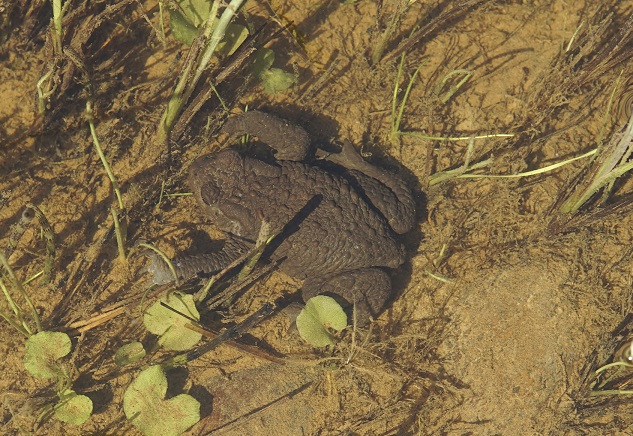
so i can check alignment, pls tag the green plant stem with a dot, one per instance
(15, 325)
(394, 98)
(120, 232)
(24, 328)
(50, 240)
(11, 301)
(20, 288)
(611, 392)
(527, 173)
(463, 171)
(35, 276)
(614, 164)
(104, 161)
(160, 197)
(41, 93)
(161, 19)
(456, 138)
(613, 365)
(448, 94)
(219, 30)
(397, 119)
(439, 278)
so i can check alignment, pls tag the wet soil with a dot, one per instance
(506, 307)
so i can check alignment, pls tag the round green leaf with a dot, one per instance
(129, 353)
(320, 315)
(74, 410)
(145, 405)
(43, 349)
(169, 325)
(276, 80)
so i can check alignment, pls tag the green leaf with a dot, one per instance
(196, 11)
(233, 37)
(73, 409)
(184, 31)
(262, 62)
(187, 17)
(42, 352)
(129, 353)
(145, 405)
(169, 325)
(276, 80)
(320, 315)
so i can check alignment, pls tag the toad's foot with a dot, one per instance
(366, 290)
(190, 266)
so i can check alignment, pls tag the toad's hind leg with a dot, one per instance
(367, 289)
(386, 191)
(290, 142)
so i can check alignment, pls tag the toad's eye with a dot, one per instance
(209, 193)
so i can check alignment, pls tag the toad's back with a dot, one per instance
(330, 226)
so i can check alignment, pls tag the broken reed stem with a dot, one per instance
(250, 257)
(85, 325)
(213, 31)
(394, 23)
(236, 287)
(57, 24)
(254, 351)
(231, 333)
(242, 280)
(263, 238)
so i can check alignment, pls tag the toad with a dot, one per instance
(341, 216)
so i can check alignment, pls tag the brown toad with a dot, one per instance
(341, 216)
